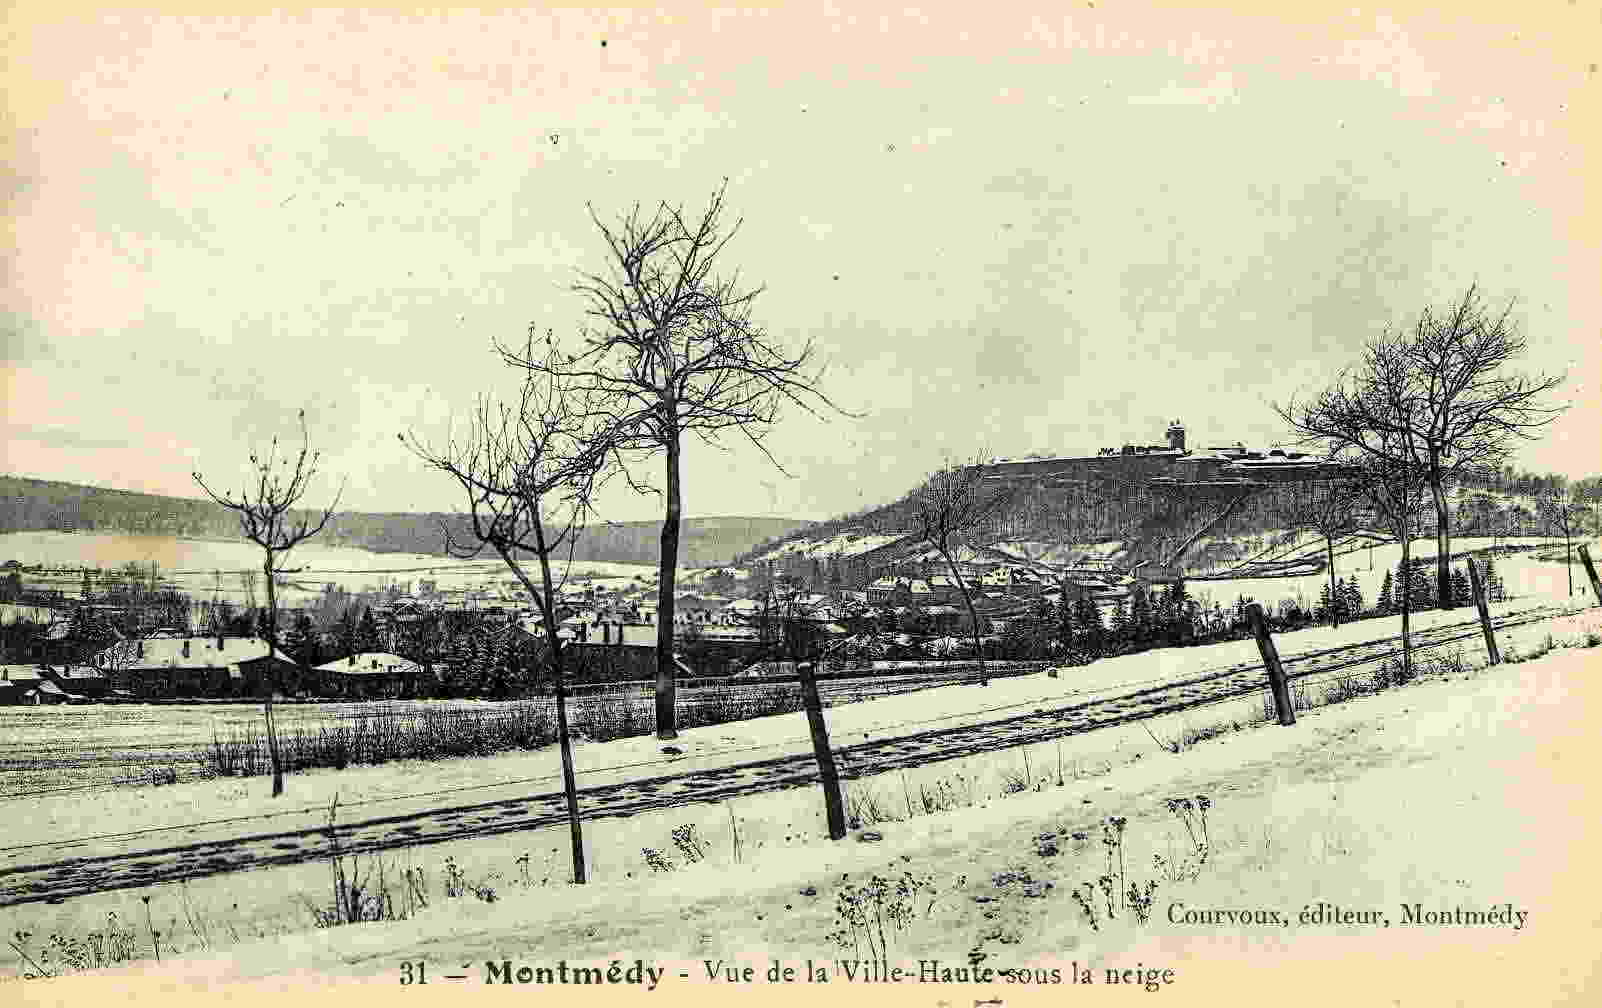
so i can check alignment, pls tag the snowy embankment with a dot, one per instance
(1468, 792)
(241, 804)
(1523, 574)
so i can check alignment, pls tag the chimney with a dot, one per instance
(1176, 436)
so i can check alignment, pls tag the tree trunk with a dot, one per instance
(270, 632)
(667, 571)
(1407, 603)
(1334, 593)
(1568, 558)
(967, 597)
(559, 685)
(1443, 548)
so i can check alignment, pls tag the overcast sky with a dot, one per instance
(1021, 232)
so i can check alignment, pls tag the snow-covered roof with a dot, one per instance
(369, 663)
(169, 652)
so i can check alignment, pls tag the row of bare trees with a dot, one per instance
(670, 349)
(1426, 407)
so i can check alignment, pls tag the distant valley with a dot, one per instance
(33, 505)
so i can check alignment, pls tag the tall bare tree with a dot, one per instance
(1470, 411)
(268, 516)
(1369, 416)
(529, 469)
(672, 349)
(955, 508)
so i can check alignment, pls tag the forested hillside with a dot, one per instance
(28, 505)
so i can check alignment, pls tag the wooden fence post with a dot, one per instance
(1590, 571)
(833, 803)
(1276, 671)
(1477, 586)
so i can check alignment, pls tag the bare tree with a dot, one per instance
(530, 469)
(1328, 508)
(672, 350)
(1558, 512)
(1470, 413)
(1369, 416)
(954, 508)
(266, 507)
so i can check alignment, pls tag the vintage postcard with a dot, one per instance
(948, 506)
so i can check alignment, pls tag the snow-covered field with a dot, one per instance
(1441, 792)
(1523, 574)
(192, 564)
(72, 814)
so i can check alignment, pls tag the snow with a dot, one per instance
(192, 563)
(842, 544)
(1467, 812)
(1523, 574)
(1465, 791)
(394, 787)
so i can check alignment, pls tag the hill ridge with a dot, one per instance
(29, 504)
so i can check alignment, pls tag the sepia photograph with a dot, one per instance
(967, 505)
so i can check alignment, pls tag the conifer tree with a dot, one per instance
(1386, 603)
(345, 632)
(1065, 620)
(1418, 589)
(367, 638)
(1120, 620)
(1326, 604)
(300, 643)
(1460, 588)
(1139, 615)
(1089, 630)
(1354, 597)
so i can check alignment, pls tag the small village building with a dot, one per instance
(694, 608)
(19, 685)
(157, 667)
(888, 591)
(369, 674)
(83, 681)
(945, 619)
(944, 588)
(743, 610)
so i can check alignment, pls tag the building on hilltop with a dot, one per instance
(1172, 462)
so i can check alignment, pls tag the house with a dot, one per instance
(888, 590)
(19, 685)
(84, 681)
(945, 619)
(369, 674)
(694, 608)
(197, 666)
(743, 610)
(944, 588)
